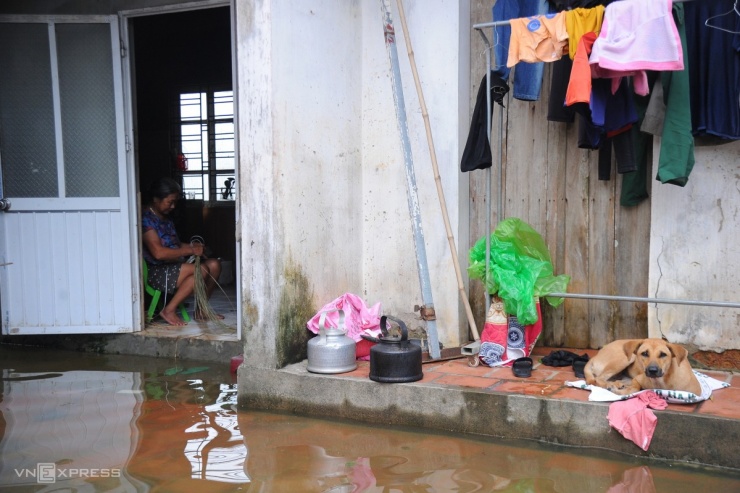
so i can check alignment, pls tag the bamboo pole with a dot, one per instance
(437, 179)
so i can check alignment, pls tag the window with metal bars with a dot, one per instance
(204, 136)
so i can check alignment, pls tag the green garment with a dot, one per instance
(677, 143)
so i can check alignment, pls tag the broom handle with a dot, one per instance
(437, 179)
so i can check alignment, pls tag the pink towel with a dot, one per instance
(636, 36)
(633, 419)
(358, 317)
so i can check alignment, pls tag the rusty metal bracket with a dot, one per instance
(426, 312)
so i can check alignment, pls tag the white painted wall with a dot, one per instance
(317, 138)
(695, 251)
(389, 259)
(322, 175)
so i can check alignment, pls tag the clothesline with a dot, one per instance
(507, 22)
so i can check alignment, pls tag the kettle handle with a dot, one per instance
(384, 330)
(322, 319)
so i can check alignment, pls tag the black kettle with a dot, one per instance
(394, 359)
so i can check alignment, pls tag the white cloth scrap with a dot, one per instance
(708, 384)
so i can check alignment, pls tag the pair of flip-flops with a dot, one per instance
(566, 358)
(522, 367)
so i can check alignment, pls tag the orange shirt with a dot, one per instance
(537, 39)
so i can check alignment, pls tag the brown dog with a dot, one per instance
(647, 363)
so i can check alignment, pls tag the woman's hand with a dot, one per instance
(197, 248)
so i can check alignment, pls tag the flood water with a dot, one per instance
(86, 423)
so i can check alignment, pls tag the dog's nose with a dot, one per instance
(653, 371)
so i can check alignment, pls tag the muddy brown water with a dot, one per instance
(87, 423)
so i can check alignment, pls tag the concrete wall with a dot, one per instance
(323, 193)
(695, 252)
(389, 264)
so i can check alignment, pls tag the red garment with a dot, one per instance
(579, 85)
(633, 419)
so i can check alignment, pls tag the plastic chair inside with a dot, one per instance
(156, 295)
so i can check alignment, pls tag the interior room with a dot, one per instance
(184, 124)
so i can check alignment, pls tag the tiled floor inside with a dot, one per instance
(548, 382)
(222, 302)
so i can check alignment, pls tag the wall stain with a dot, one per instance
(250, 313)
(296, 308)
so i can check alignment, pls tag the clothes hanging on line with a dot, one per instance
(527, 83)
(557, 111)
(477, 152)
(580, 22)
(714, 73)
(537, 39)
(636, 36)
(699, 67)
(631, 147)
(676, 160)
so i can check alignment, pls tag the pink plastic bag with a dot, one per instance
(358, 319)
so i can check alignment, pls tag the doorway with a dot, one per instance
(183, 112)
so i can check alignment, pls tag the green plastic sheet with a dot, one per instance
(520, 269)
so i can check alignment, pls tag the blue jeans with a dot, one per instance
(528, 76)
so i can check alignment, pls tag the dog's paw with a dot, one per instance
(619, 388)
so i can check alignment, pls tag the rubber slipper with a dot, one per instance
(578, 366)
(522, 367)
(561, 357)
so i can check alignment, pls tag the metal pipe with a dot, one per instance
(488, 172)
(411, 189)
(723, 304)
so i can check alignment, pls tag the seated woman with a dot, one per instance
(166, 256)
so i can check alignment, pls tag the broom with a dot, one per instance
(200, 294)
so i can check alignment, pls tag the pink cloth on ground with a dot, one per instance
(633, 419)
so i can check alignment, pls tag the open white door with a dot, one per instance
(66, 238)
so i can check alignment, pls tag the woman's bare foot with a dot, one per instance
(171, 318)
(199, 316)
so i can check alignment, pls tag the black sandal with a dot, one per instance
(522, 367)
(578, 366)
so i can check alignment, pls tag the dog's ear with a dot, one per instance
(631, 346)
(679, 352)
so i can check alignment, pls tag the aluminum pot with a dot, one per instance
(394, 359)
(331, 351)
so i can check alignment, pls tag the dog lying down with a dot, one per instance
(627, 366)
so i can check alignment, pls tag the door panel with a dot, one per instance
(65, 243)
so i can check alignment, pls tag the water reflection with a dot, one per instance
(138, 424)
(216, 450)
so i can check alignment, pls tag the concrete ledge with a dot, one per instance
(678, 436)
(136, 344)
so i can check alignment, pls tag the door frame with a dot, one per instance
(134, 198)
